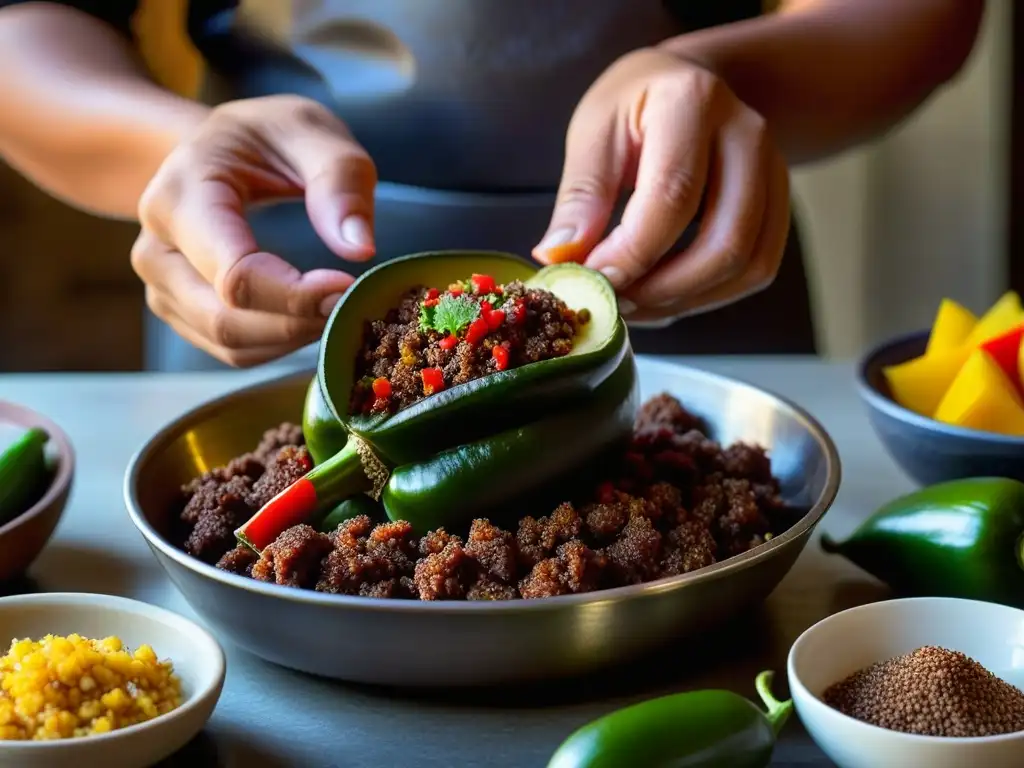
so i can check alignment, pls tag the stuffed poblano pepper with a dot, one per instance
(699, 729)
(444, 401)
(962, 538)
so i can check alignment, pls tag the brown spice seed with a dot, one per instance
(931, 691)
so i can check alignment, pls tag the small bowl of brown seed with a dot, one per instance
(926, 681)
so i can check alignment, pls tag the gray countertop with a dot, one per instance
(274, 717)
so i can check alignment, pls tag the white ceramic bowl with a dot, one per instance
(197, 657)
(850, 640)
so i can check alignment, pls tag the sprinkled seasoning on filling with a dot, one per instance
(438, 339)
(933, 692)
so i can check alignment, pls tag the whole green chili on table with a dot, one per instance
(962, 538)
(697, 729)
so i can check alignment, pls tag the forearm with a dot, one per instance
(828, 74)
(78, 114)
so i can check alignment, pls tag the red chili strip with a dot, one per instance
(292, 506)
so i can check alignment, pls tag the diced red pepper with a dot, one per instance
(518, 312)
(606, 492)
(455, 289)
(433, 380)
(448, 342)
(476, 331)
(485, 307)
(500, 355)
(483, 283)
(495, 318)
(432, 293)
(382, 388)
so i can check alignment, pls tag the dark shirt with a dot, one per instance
(695, 14)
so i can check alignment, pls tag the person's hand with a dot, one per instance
(674, 134)
(204, 273)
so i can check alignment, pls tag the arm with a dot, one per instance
(828, 74)
(80, 117)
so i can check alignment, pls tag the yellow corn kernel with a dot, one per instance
(62, 687)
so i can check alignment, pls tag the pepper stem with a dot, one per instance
(326, 485)
(829, 544)
(343, 475)
(778, 711)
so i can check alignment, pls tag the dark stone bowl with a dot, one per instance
(929, 451)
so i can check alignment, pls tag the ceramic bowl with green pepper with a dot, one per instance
(37, 466)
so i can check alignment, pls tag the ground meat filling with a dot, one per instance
(678, 502)
(436, 339)
(218, 502)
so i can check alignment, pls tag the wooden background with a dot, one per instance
(68, 297)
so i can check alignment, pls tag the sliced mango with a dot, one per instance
(1005, 352)
(1001, 317)
(953, 324)
(1020, 364)
(982, 397)
(921, 383)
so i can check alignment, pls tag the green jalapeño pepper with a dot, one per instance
(699, 729)
(452, 487)
(459, 452)
(24, 473)
(963, 538)
(478, 407)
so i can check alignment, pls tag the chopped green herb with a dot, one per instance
(427, 317)
(450, 315)
(493, 298)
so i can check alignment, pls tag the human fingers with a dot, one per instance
(338, 176)
(595, 158)
(675, 129)
(237, 358)
(174, 287)
(762, 268)
(735, 206)
(201, 216)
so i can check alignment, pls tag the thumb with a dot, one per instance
(591, 178)
(339, 178)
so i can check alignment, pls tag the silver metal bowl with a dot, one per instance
(400, 642)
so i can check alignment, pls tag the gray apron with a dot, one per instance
(463, 105)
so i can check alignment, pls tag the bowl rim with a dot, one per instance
(891, 408)
(199, 636)
(65, 466)
(718, 570)
(800, 691)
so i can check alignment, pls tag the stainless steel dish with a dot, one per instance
(460, 643)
